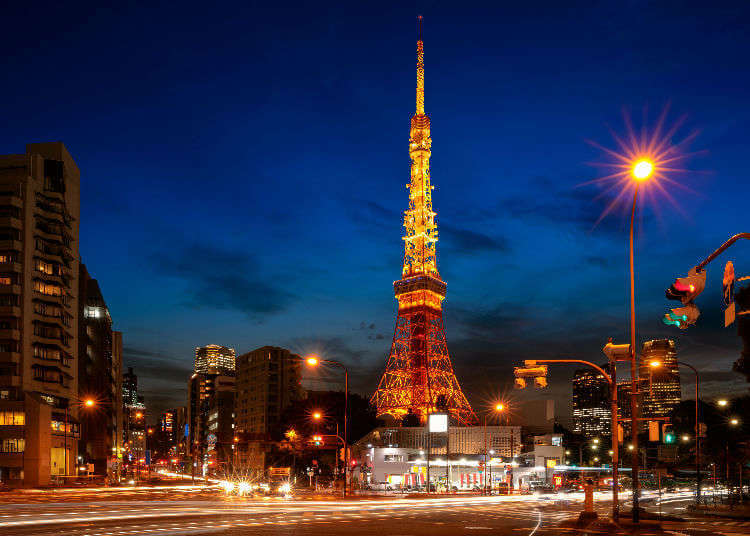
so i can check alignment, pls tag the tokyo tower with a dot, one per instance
(419, 376)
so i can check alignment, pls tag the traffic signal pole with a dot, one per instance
(612, 380)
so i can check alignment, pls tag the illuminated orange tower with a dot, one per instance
(419, 376)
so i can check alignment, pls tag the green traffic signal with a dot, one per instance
(669, 438)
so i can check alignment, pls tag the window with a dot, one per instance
(393, 458)
(47, 289)
(48, 268)
(8, 300)
(54, 180)
(12, 418)
(7, 257)
(12, 445)
(46, 374)
(44, 352)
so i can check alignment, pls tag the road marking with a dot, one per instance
(539, 522)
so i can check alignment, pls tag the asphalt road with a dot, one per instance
(186, 511)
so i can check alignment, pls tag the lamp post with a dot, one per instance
(499, 408)
(641, 171)
(314, 361)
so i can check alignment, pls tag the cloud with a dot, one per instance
(373, 217)
(221, 279)
(466, 241)
(578, 206)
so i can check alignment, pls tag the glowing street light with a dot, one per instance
(723, 402)
(734, 421)
(643, 169)
(655, 364)
(89, 402)
(312, 361)
(686, 437)
(317, 415)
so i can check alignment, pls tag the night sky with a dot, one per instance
(244, 170)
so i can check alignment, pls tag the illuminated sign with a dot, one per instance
(438, 423)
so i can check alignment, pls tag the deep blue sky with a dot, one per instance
(244, 170)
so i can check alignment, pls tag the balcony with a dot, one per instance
(12, 200)
(10, 381)
(11, 221)
(13, 334)
(10, 357)
(10, 310)
(16, 267)
(12, 245)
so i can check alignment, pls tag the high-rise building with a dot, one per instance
(202, 389)
(99, 378)
(591, 408)
(419, 374)
(219, 419)
(214, 359)
(659, 386)
(268, 381)
(134, 418)
(39, 219)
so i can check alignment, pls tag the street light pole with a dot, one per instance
(633, 372)
(697, 433)
(314, 361)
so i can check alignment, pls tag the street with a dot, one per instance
(192, 510)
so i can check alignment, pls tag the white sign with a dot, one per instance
(438, 423)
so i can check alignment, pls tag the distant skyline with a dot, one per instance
(243, 172)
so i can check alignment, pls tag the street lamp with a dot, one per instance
(722, 402)
(317, 415)
(734, 421)
(642, 169)
(499, 408)
(313, 361)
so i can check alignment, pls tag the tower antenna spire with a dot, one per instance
(420, 70)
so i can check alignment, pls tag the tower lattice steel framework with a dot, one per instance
(419, 377)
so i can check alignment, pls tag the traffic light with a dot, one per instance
(685, 289)
(682, 317)
(317, 440)
(669, 436)
(531, 370)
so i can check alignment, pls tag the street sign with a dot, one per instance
(728, 287)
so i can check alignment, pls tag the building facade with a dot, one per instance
(591, 409)
(214, 359)
(660, 387)
(268, 381)
(99, 379)
(39, 219)
(134, 418)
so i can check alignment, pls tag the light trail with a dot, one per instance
(318, 509)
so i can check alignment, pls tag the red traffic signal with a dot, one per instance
(687, 288)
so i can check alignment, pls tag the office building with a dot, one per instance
(592, 415)
(134, 418)
(99, 379)
(202, 399)
(39, 218)
(659, 386)
(214, 359)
